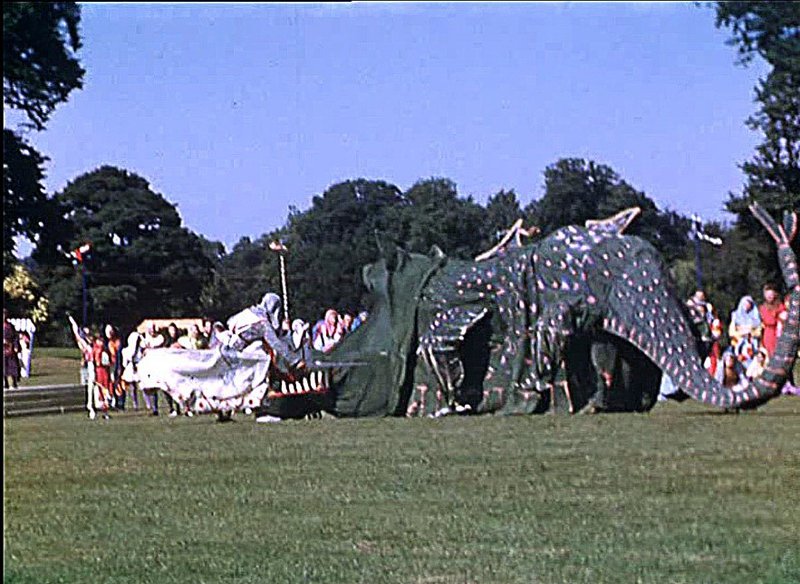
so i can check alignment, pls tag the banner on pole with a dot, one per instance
(81, 253)
(278, 246)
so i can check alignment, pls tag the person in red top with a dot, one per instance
(770, 312)
(114, 347)
(102, 376)
(85, 341)
(11, 350)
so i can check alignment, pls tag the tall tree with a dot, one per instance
(436, 215)
(502, 211)
(40, 69)
(144, 262)
(577, 190)
(26, 208)
(40, 63)
(330, 242)
(770, 30)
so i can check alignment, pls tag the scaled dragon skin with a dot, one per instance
(519, 331)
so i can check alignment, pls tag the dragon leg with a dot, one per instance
(441, 349)
(548, 375)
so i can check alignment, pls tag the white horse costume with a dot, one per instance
(230, 377)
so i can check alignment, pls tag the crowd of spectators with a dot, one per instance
(16, 353)
(108, 369)
(733, 354)
(752, 336)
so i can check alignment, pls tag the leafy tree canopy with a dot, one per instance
(769, 29)
(40, 69)
(26, 208)
(502, 211)
(23, 296)
(144, 262)
(577, 190)
(40, 65)
(772, 176)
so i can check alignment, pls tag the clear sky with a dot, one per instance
(236, 112)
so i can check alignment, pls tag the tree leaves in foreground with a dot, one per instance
(40, 65)
(40, 69)
(26, 207)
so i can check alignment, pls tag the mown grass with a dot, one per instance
(53, 366)
(680, 495)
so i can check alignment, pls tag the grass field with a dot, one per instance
(54, 366)
(682, 494)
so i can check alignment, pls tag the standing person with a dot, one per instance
(208, 330)
(85, 342)
(702, 316)
(172, 338)
(102, 375)
(11, 351)
(172, 342)
(770, 312)
(299, 334)
(347, 324)
(151, 340)
(24, 353)
(114, 348)
(130, 356)
(196, 339)
(715, 354)
(327, 332)
(745, 319)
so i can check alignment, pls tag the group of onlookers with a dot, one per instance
(752, 337)
(326, 332)
(331, 329)
(16, 353)
(101, 368)
(108, 368)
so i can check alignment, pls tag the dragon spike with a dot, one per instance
(790, 225)
(616, 223)
(782, 234)
(516, 232)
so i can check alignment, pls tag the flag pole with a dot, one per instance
(79, 257)
(697, 233)
(85, 303)
(280, 248)
(283, 286)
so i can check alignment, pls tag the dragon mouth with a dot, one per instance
(296, 394)
(300, 384)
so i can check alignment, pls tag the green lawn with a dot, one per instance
(54, 366)
(680, 495)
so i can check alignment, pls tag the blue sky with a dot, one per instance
(236, 112)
